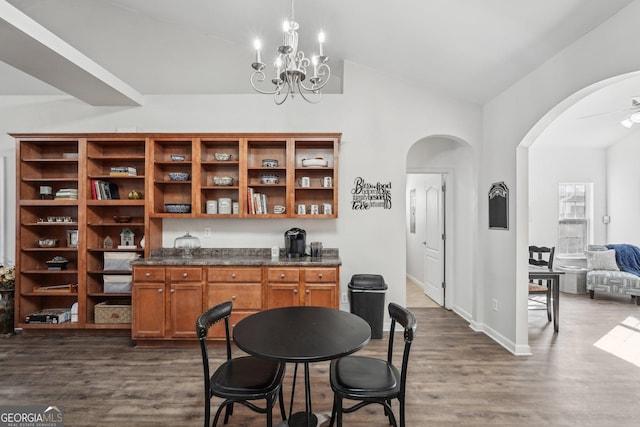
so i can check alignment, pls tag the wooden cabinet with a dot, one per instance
(148, 296)
(49, 179)
(240, 285)
(302, 286)
(73, 189)
(185, 301)
(166, 302)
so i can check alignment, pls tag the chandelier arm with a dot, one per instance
(260, 77)
(323, 70)
(284, 98)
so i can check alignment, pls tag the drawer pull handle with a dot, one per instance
(173, 290)
(233, 275)
(295, 291)
(148, 274)
(159, 290)
(320, 276)
(233, 297)
(282, 276)
(307, 291)
(185, 274)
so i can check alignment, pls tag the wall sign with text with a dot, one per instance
(367, 195)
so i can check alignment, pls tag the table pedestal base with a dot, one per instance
(299, 419)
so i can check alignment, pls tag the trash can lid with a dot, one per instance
(367, 282)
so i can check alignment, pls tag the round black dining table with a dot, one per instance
(302, 335)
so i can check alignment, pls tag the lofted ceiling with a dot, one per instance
(116, 51)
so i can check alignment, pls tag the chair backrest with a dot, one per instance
(407, 320)
(541, 256)
(205, 321)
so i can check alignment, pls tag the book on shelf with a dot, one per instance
(67, 194)
(103, 190)
(257, 202)
(123, 171)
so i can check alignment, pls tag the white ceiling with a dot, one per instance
(471, 49)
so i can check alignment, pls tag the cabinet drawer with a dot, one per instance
(320, 275)
(185, 274)
(243, 296)
(148, 274)
(234, 274)
(285, 275)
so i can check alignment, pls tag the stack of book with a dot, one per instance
(49, 315)
(256, 202)
(67, 194)
(103, 190)
(123, 171)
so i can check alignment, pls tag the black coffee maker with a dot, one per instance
(295, 242)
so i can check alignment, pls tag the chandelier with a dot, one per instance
(292, 67)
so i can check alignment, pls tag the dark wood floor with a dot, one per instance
(457, 377)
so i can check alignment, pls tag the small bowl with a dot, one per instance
(57, 263)
(178, 176)
(178, 157)
(223, 180)
(177, 208)
(223, 157)
(269, 163)
(121, 219)
(48, 243)
(269, 179)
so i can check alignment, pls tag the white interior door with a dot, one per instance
(434, 241)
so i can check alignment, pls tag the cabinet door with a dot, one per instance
(320, 295)
(185, 300)
(148, 310)
(282, 295)
(321, 286)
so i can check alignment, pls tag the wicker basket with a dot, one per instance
(112, 312)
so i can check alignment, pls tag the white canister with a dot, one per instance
(275, 251)
(314, 210)
(302, 209)
(327, 209)
(235, 208)
(304, 181)
(327, 181)
(224, 205)
(212, 206)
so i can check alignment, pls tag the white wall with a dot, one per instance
(549, 166)
(623, 192)
(515, 118)
(378, 128)
(415, 248)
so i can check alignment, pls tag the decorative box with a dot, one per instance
(117, 284)
(112, 312)
(120, 261)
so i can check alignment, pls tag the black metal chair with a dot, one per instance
(240, 380)
(541, 257)
(371, 380)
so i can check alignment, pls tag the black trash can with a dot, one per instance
(366, 299)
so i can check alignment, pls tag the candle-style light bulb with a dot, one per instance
(257, 45)
(321, 38)
(314, 61)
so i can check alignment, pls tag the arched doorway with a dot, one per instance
(452, 161)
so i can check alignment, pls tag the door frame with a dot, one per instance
(449, 220)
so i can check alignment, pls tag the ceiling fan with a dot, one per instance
(634, 116)
(631, 118)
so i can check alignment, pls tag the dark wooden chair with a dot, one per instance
(240, 380)
(540, 290)
(369, 380)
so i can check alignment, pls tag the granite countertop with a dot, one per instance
(237, 256)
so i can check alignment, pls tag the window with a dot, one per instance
(575, 213)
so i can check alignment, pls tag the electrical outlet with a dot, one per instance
(207, 232)
(494, 304)
(345, 299)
